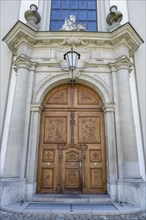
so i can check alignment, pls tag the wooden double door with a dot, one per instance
(72, 148)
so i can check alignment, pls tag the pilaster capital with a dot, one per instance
(108, 107)
(36, 107)
(24, 62)
(121, 63)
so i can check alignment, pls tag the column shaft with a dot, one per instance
(17, 125)
(127, 129)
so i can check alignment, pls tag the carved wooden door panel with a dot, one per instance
(91, 133)
(72, 148)
(53, 132)
(72, 171)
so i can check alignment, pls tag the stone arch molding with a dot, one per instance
(50, 82)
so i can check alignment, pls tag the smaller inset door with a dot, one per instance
(72, 171)
(72, 177)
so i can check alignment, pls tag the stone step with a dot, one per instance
(71, 198)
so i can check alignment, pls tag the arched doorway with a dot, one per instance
(72, 146)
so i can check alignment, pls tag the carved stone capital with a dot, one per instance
(121, 63)
(23, 62)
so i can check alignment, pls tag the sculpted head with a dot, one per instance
(72, 18)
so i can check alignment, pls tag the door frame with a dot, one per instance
(93, 106)
(109, 119)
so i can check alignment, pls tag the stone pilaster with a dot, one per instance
(17, 123)
(27, 120)
(110, 141)
(117, 124)
(33, 147)
(126, 121)
(111, 151)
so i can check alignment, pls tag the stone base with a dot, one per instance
(12, 190)
(125, 191)
(30, 191)
(113, 27)
(132, 191)
(112, 192)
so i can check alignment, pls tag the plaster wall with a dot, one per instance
(7, 8)
(137, 17)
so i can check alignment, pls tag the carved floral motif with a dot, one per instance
(47, 178)
(72, 177)
(59, 97)
(96, 177)
(88, 130)
(86, 97)
(48, 155)
(55, 130)
(95, 155)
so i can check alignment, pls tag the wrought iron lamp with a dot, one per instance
(72, 58)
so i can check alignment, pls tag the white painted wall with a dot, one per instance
(137, 124)
(11, 8)
(7, 120)
(134, 11)
(137, 17)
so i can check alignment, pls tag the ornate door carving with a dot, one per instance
(72, 151)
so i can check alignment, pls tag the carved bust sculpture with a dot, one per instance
(70, 24)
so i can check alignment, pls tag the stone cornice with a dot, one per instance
(125, 34)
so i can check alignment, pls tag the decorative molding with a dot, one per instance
(124, 34)
(109, 107)
(73, 41)
(23, 62)
(122, 62)
(36, 107)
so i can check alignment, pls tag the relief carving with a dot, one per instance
(47, 178)
(72, 177)
(59, 97)
(86, 98)
(96, 155)
(55, 130)
(72, 156)
(72, 164)
(74, 41)
(96, 178)
(88, 130)
(48, 155)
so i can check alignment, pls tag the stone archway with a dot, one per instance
(72, 146)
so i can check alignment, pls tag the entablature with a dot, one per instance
(125, 36)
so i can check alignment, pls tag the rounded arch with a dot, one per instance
(50, 82)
